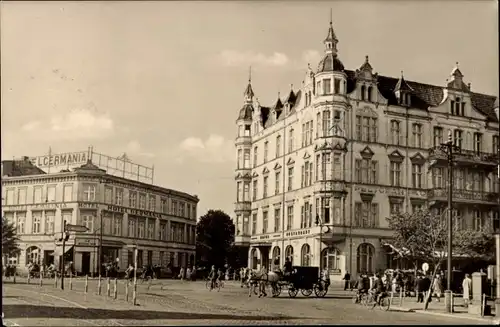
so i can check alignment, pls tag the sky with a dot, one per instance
(163, 82)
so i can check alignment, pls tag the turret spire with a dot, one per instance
(331, 39)
(248, 91)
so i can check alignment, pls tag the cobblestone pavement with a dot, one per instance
(173, 302)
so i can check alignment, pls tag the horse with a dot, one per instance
(261, 279)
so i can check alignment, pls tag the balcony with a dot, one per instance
(465, 157)
(242, 206)
(329, 186)
(242, 240)
(463, 196)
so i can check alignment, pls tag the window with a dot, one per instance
(326, 122)
(239, 159)
(164, 205)
(318, 163)
(181, 209)
(132, 226)
(264, 195)
(21, 195)
(330, 259)
(395, 207)
(163, 231)
(255, 156)
(366, 171)
(246, 158)
(365, 258)
(439, 177)
(37, 218)
(89, 192)
(277, 220)
(193, 208)
(417, 135)
(108, 194)
(133, 199)
(68, 193)
(416, 175)
(337, 211)
(141, 228)
(277, 183)
(266, 149)
(369, 94)
(362, 93)
(142, 201)
(289, 217)
(265, 222)
(151, 229)
(117, 224)
(107, 222)
(278, 146)
(325, 205)
(318, 124)
(290, 141)
(152, 202)
(337, 166)
(21, 222)
(254, 223)
(66, 215)
(49, 222)
(174, 208)
(246, 191)
(478, 142)
(37, 195)
(254, 190)
(290, 178)
(327, 86)
(495, 144)
(366, 128)
(438, 136)
(395, 132)
(366, 214)
(305, 254)
(457, 107)
(459, 220)
(457, 138)
(88, 221)
(33, 255)
(336, 86)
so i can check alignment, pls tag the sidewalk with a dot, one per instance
(438, 308)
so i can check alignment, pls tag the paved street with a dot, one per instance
(178, 303)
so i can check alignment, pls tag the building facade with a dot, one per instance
(159, 221)
(319, 172)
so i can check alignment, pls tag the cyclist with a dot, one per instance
(220, 276)
(362, 286)
(378, 288)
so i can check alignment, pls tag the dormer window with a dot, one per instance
(336, 85)
(247, 130)
(457, 107)
(336, 116)
(404, 99)
(369, 97)
(362, 92)
(457, 138)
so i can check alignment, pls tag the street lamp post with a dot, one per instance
(100, 244)
(449, 148)
(497, 230)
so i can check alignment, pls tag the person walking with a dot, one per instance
(467, 289)
(438, 287)
(347, 279)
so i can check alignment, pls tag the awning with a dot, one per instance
(261, 245)
(58, 250)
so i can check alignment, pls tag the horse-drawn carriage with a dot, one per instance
(304, 279)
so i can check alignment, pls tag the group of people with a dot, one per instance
(215, 276)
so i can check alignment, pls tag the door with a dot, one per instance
(85, 263)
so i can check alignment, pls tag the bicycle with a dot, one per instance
(359, 297)
(218, 285)
(384, 302)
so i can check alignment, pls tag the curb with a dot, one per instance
(401, 309)
(461, 316)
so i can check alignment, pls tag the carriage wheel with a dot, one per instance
(276, 290)
(320, 290)
(306, 292)
(385, 304)
(292, 292)
(207, 284)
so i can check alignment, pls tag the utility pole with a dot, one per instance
(63, 250)
(100, 245)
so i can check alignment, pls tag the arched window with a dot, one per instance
(289, 253)
(362, 92)
(276, 255)
(330, 259)
(369, 93)
(365, 258)
(33, 255)
(305, 254)
(253, 259)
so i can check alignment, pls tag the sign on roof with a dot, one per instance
(64, 159)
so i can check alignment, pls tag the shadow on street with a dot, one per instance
(39, 311)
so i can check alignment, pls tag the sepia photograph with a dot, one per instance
(293, 162)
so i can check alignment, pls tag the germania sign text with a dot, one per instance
(64, 159)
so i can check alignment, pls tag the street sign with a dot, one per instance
(76, 228)
(425, 266)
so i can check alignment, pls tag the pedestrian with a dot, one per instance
(438, 287)
(188, 273)
(181, 273)
(467, 289)
(419, 286)
(347, 279)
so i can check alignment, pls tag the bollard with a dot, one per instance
(134, 294)
(41, 280)
(99, 286)
(115, 288)
(28, 278)
(150, 283)
(391, 299)
(126, 290)
(452, 302)
(70, 280)
(483, 304)
(55, 280)
(108, 289)
(14, 278)
(86, 283)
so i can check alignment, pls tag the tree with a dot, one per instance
(423, 236)
(10, 246)
(214, 238)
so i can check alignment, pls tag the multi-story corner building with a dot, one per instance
(352, 147)
(160, 222)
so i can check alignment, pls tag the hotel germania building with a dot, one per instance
(160, 222)
(352, 147)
